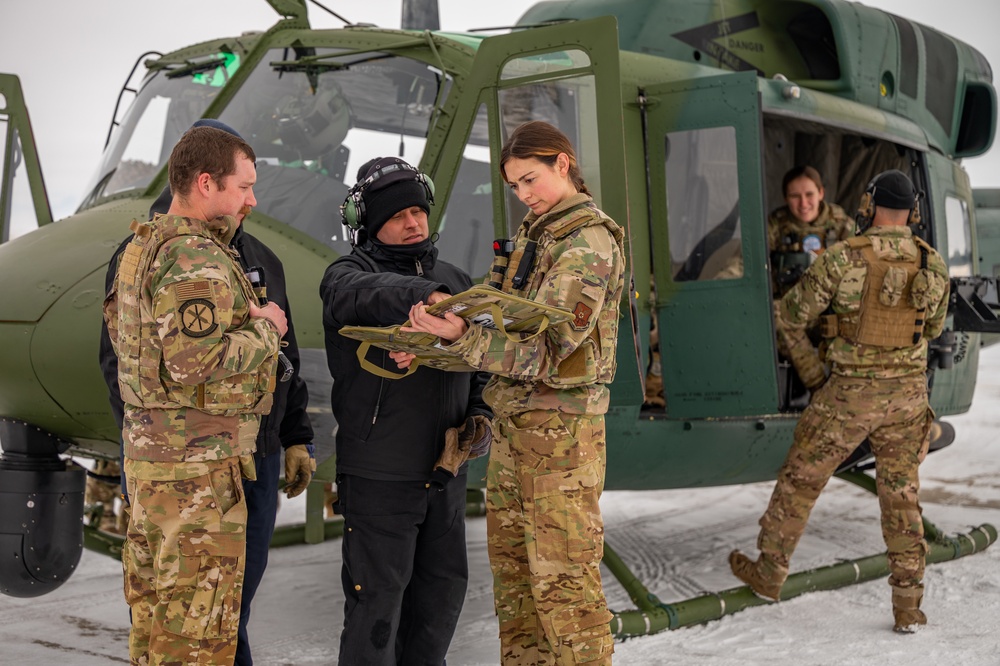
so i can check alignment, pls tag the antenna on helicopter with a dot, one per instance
(330, 11)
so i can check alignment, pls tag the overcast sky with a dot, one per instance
(73, 56)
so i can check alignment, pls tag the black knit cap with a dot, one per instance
(894, 190)
(390, 193)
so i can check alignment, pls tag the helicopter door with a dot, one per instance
(713, 294)
(23, 202)
(567, 75)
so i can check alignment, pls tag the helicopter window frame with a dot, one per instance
(583, 133)
(540, 64)
(19, 213)
(470, 203)
(715, 251)
(959, 235)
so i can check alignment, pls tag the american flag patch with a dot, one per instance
(195, 289)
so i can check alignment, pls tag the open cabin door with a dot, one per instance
(24, 205)
(567, 75)
(714, 313)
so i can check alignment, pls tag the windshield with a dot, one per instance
(166, 105)
(313, 124)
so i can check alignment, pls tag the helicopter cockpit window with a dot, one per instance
(466, 229)
(570, 105)
(169, 100)
(313, 123)
(959, 232)
(703, 205)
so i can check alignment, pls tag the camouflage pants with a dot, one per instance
(546, 538)
(183, 560)
(101, 492)
(895, 416)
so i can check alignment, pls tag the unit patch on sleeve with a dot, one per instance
(197, 317)
(582, 318)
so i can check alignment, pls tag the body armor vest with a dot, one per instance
(142, 379)
(594, 360)
(887, 316)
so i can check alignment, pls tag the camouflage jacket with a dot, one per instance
(795, 244)
(579, 265)
(830, 226)
(195, 370)
(838, 279)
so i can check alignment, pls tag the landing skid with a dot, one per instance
(652, 616)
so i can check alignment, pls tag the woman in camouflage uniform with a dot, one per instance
(549, 395)
(803, 228)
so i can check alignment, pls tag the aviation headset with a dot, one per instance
(866, 208)
(352, 211)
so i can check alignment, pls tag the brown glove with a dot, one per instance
(472, 441)
(299, 467)
(482, 438)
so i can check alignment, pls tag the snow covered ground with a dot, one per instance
(675, 541)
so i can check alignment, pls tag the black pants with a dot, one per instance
(262, 506)
(405, 569)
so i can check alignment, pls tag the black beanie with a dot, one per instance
(893, 190)
(390, 193)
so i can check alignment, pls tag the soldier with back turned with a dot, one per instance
(889, 294)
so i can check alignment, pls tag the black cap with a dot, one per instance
(892, 189)
(394, 190)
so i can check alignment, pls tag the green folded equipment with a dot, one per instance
(519, 319)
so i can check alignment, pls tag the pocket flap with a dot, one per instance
(571, 620)
(213, 544)
(557, 483)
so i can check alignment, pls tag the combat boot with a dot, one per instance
(765, 576)
(906, 609)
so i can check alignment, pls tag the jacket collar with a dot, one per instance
(900, 231)
(402, 258)
(535, 224)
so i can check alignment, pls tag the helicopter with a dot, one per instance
(684, 114)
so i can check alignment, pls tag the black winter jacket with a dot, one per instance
(391, 429)
(287, 424)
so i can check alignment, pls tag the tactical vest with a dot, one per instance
(887, 316)
(142, 379)
(594, 360)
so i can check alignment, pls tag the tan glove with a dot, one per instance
(299, 467)
(482, 438)
(472, 441)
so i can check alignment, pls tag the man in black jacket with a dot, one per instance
(405, 569)
(287, 425)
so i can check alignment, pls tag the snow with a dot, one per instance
(676, 542)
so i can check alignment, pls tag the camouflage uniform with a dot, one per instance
(195, 372)
(101, 492)
(788, 235)
(549, 395)
(877, 388)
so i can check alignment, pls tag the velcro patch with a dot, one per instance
(197, 317)
(582, 313)
(193, 289)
